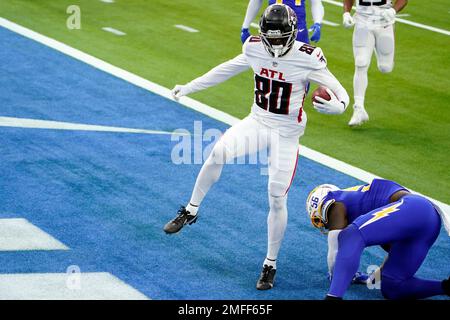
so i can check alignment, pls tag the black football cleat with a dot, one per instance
(265, 281)
(183, 217)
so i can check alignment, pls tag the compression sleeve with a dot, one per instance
(252, 11)
(332, 249)
(317, 11)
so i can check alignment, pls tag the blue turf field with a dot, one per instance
(108, 195)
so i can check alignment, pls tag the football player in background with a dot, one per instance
(374, 29)
(380, 213)
(282, 68)
(298, 6)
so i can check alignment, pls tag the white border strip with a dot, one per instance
(57, 125)
(329, 23)
(411, 23)
(185, 28)
(186, 101)
(114, 31)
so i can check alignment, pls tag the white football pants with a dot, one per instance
(365, 41)
(245, 138)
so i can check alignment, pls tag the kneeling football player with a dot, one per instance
(381, 213)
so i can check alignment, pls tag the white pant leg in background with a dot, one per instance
(385, 48)
(363, 47)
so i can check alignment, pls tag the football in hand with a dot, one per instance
(321, 92)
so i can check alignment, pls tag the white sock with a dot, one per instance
(192, 209)
(276, 225)
(360, 82)
(270, 262)
(359, 101)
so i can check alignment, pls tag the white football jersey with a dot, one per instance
(280, 83)
(369, 12)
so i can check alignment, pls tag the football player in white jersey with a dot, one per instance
(282, 69)
(374, 29)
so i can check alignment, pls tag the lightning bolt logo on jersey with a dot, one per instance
(280, 83)
(383, 213)
(362, 199)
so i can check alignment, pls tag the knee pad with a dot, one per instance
(277, 204)
(277, 189)
(385, 45)
(362, 61)
(385, 68)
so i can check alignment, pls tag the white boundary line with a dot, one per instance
(185, 28)
(330, 23)
(57, 125)
(186, 101)
(411, 23)
(114, 31)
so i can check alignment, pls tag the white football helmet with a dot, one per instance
(317, 210)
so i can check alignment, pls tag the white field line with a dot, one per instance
(56, 125)
(329, 23)
(408, 22)
(66, 286)
(114, 31)
(185, 28)
(18, 234)
(107, 1)
(186, 101)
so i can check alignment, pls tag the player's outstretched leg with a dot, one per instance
(233, 144)
(209, 174)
